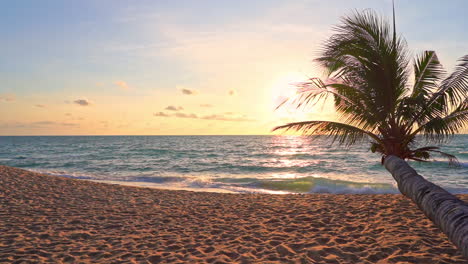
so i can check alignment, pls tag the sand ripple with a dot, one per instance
(58, 220)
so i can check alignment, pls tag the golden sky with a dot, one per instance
(178, 68)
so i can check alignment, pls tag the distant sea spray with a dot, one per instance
(271, 164)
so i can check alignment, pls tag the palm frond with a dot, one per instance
(363, 54)
(440, 128)
(437, 103)
(423, 154)
(451, 158)
(344, 133)
(454, 88)
(427, 148)
(315, 90)
(428, 72)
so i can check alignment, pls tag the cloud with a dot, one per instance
(227, 118)
(82, 102)
(123, 85)
(72, 117)
(43, 123)
(188, 91)
(69, 124)
(52, 123)
(38, 124)
(174, 108)
(218, 117)
(206, 105)
(232, 92)
(161, 114)
(182, 115)
(7, 97)
(40, 105)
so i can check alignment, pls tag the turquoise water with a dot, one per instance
(230, 163)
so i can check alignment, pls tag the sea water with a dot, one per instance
(271, 164)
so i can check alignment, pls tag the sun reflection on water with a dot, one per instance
(287, 148)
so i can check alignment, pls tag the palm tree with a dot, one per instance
(370, 80)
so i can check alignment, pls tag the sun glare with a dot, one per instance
(283, 88)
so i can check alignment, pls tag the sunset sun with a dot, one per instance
(283, 88)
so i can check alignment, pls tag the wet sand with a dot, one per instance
(58, 220)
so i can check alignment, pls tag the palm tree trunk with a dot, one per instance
(448, 212)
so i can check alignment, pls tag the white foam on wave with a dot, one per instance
(164, 186)
(209, 184)
(354, 190)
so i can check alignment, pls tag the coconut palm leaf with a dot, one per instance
(453, 89)
(427, 72)
(439, 128)
(344, 133)
(423, 154)
(363, 56)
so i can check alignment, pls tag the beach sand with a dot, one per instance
(52, 219)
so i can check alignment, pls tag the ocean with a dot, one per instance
(241, 164)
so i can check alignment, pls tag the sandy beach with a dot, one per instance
(59, 220)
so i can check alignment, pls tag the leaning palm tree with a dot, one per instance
(379, 99)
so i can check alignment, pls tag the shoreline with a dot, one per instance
(52, 219)
(160, 186)
(354, 187)
(270, 185)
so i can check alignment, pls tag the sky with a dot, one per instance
(113, 67)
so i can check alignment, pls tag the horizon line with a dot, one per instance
(187, 135)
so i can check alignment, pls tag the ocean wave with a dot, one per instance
(269, 167)
(157, 179)
(150, 151)
(324, 185)
(256, 185)
(31, 164)
(247, 184)
(241, 163)
(64, 174)
(440, 164)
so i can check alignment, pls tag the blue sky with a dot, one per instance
(131, 59)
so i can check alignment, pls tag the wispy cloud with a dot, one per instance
(161, 114)
(206, 105)
(39, 124)
(40, 105)
(188, 91)
(123, 85)
(227, 118)
(218, 117)
(7, 97)
(182, 115)
(82, 102)
(174, 108)
(52, 123)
